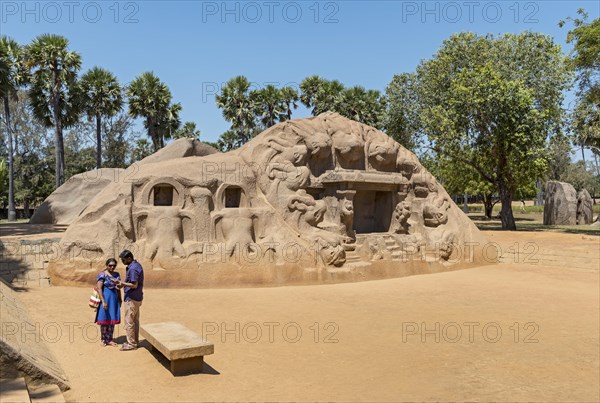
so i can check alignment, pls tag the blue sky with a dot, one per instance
(196, 46)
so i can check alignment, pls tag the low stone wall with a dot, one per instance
(24, 263)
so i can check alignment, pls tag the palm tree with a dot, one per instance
(101, 96)
(267, 104)
(237, 107)
(53, 91)
(290, 98)
(171, 121)
(188, 130)
(319, 94)
(365, 106)
(13, 75)
(149, 98)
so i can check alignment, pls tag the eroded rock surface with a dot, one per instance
(560, 204)
(323, 199)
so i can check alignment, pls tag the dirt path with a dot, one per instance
(368, 346)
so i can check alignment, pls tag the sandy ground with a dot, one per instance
(524, 330)
(359, 341)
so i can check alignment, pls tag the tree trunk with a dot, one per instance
(488, 205)
(98, 142)
(59, 146)
(59, 149)
(26, 208)
(153, 136)
(12, 213)
(583, 158)
(506, 213)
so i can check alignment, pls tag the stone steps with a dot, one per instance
(14, 390)
(17, 390)
(45, 393)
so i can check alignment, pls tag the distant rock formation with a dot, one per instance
(560, 204)
(585, 206)
(68, 201)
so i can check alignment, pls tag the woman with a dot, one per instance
(109, 313)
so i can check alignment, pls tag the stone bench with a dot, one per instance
(180, 345)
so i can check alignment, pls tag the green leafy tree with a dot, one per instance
(581, 177)
(559, 157)
(53, 92)
(13, 76)
(357, 103)
(361, 105)
(171, 121)
(272, 105)
(101, 97)
(460, 179)
(141, 150)
(290, 99)
(585, 58)
(33, 148)
(320, 94)
(402, 116)
(238, 109)
(491, 103)
(267, 105)
(188, 130)
(150, 99)
(79, 149)
(119, 139)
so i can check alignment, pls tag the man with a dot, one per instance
(134, 293)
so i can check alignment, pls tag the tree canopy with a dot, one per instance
(489, 103)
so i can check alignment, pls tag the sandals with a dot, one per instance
(127, 347)
(103, 344)
(113, 344)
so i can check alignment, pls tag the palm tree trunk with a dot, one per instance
(152, 135)
(12, 213)
(59, 148)
(98, 142)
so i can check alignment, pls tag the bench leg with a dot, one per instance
(187, 365)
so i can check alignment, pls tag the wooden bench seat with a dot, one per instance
(184, 348)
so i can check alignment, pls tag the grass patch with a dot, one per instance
(19, 221)
(532, 221)
(478, 208)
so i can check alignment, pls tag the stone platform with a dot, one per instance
(181, 346)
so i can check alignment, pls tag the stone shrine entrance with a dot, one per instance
(372, 211)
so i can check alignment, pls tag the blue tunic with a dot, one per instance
(111, 315)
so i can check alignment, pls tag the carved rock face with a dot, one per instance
(382, 155)
(319, 145)
(328, 186)
(349, 148)
(424, 183)
(400, 219)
